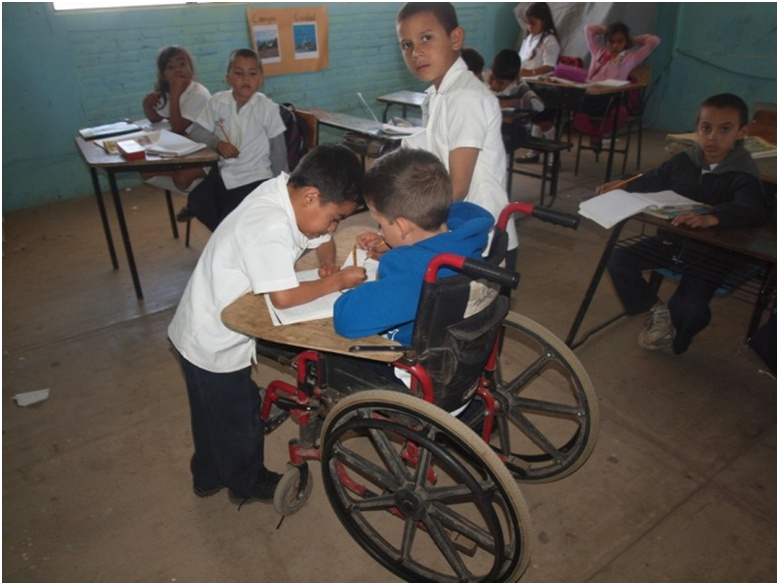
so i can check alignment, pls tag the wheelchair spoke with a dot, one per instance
(462, 525)
(366, 468)
(389, 454)
(543, 406)
(535, 435)
(528, 374)
(444, 544)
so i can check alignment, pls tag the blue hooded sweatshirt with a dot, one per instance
(388, 305)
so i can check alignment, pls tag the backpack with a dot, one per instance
(293, 135)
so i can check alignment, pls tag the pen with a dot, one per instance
(354, 255)
(625, 182)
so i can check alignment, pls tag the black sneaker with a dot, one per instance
(184, 215)
(205, 492)
(261, 492)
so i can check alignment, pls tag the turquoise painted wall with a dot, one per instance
(66, 70)
(711, 48)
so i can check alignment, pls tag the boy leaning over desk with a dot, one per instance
(717, 172)
(254, 250)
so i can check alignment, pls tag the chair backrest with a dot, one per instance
(311, 125)
(641, 74)
(455, 332)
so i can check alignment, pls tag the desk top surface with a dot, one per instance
(590, 88)
(96, 156)
(404, 98)
(347, 122)
(249, 315)
(753, 241)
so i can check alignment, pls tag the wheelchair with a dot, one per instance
(429, 495)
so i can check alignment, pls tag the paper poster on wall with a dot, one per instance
(290, 40)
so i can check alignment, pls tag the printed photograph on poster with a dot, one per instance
(266, 38)
(306, 41)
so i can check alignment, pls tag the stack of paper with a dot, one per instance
(109, 130)
(174, 145)
(609, 209)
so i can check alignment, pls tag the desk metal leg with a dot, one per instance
(613, 138)
(596, 278)
(104, 217)
(171, 214)
(125, 234)
(763, 301)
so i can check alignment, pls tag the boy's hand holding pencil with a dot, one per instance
(225, 147)
(616, 184)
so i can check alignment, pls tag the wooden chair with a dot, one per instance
(310, 125)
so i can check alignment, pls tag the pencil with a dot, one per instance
(354, 255)
(222, 128)
(625, 182)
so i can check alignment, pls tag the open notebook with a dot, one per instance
(320, 308)
(611, 207)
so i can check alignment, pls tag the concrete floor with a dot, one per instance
(96, 487)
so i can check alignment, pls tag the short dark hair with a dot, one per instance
(334, 170)
(506, 64)
(473, 59)
(246, 53)
(410, 183)
(729, 101)
(444, 13)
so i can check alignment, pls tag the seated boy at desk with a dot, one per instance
(719, 173)
(255, 250)
(245, 127)
(504, 81)
(409, 194)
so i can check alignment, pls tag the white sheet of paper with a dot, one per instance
(320, 308)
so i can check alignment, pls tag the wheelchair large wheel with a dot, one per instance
(548, 418)
(421, 492)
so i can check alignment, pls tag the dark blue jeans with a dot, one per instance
(227, 431)
(706, 269)
(210, 202)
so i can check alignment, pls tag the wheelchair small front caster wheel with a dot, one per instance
(293, 490)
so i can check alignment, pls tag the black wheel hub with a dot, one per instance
(410, 503)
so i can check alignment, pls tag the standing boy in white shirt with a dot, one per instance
(463, 117)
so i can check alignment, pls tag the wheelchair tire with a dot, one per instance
(289, 497)
(421, 492)
(548, 421)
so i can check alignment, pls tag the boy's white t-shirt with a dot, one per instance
(191, 103)
(248, 129)
(464, 113)
(254, 249)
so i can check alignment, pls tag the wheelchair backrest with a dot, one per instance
(457, 325)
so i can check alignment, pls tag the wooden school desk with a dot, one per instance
(404, 98)
(249, 315)
(96, 158)
(757, 244)
(590, 89)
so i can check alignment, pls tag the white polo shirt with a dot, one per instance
(249, 129)
(254, 249)
(464, 113)
(191, 103)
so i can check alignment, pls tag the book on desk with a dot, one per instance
(114, 129)
(608, 209)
